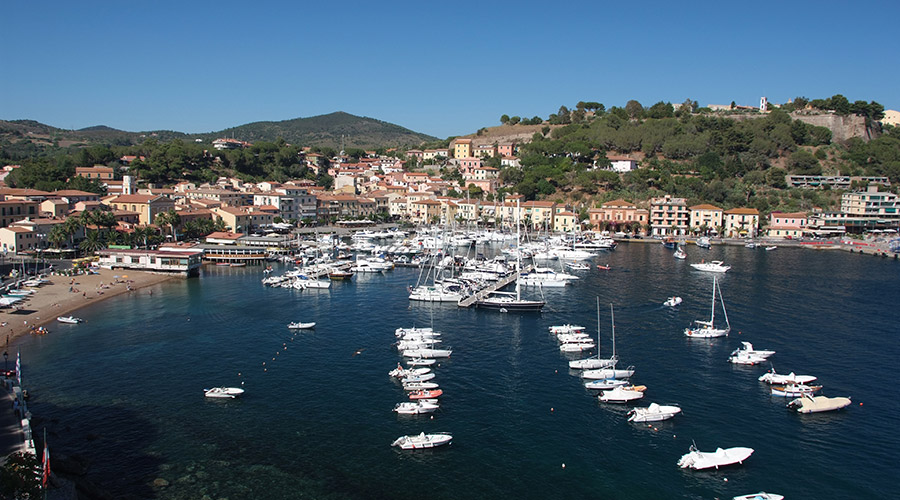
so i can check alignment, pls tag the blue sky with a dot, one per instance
(441, 68)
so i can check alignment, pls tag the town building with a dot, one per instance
(183, 264)
(462, 148)
(148, 206)
(706, 219)
(741, 223)
(786, 225)
(618, 214)
(669, 216)
(833, 181)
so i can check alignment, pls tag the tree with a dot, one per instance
(20, 476)
(91, 243)
(514, 120)
(634, 110)
(504, 119)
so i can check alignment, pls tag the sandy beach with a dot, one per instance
(63, 296)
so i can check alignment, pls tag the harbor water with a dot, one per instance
(125, 389)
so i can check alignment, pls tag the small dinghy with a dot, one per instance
(423, 441)
(672, 301)
(699, 460)
(762, 495)
(653, 413)
(223, 392)
(72, 320)
(621, 395)
(301, 326)
(420, 362)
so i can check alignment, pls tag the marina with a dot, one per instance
(515, 410)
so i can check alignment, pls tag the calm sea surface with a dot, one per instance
(125, 388)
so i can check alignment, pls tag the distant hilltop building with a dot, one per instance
(891, 117)
(226, 143)
(763, 106)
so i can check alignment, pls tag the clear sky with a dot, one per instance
(441, 68)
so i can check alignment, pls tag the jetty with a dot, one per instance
(492, 287)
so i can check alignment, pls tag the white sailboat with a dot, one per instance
(707, 329)
(609, 371)
(507, 300)
(595, 362)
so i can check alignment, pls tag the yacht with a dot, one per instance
(714, 266)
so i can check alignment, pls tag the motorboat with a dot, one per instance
(607, 373)
(817, 404)
(576, 346)
(427, 353)
(426, 394)
(420, 362)
(773, 247)
(401, 372)
(415, 407)
(605, 384)
(747, 347)
(420, 386)
(771, 377)
(741, 357)
(577, 266)
(653, 413)
(714, 266)
(669, 242)
(750, 245)
(577, 338)
(762, 495)
(672, 301)
(567, 328)
(72, 320)
(423, 441)
(417, 378)
(794, 390)
(707, 329)
(620, 395)
(680, 253)
(301, 326)
(698, 460)
(604, 267)
(223, 392)
(339, 275)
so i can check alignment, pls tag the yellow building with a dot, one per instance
(424, 211)
(462, 148)
(705, 219)
(565, 222)
(148, 206)
(741, 222)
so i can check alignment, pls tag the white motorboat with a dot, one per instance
(714, 266)
(567, 328)
(605, 384)
(672, 301)
(420, 386)
(771, 377)
(223, 392)
(420, 362)
(620, 395)
(747, 347)
(427, 353)
(703, 242)
(707, 329)
(762, 495)
(301, 326)
(698, 460)
(577, 266)
(423, 332)
(750, 245)
(653, 413)
(576, 346)
(72, 320)
(680, 253)
(423, 441)
(401, 372)
(416, 407)
(607, 373)
(794, 390)
(574, 338)
(740, 357)
(417, 378)
(817, 404)
(773, 247)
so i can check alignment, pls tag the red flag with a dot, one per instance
(46, 465)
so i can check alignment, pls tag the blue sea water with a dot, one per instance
(125, 388)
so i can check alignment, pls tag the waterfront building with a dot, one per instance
(786, 225)
(741, 223)
(156, 261)
(148, 206)
(669, 216)
(705, 219)
(871, 203)
(565, 222)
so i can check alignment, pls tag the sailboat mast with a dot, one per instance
(598, 326)
(612, 319)
(518, 252)
(722, 299)
(712, 311)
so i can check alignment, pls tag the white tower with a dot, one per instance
(763, 104)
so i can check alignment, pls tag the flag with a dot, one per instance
(19, 368)
(46, 465)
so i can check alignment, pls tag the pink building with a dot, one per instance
(786, 225)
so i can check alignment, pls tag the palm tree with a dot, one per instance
(91, 243)
(57, 235)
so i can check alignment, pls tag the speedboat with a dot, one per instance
(773, 247)
(762, 495)
(577, 266)
(680, 254)
(423, 441)
(425, 394)
(72, 320)
(620, 395)
(740, 357)
(401, 372)
(605, 384)
(567, 328)
(774, 378)
(607, 373)
(653, 413)
(715, 266)
(420, 362)
(794, 390)
(672, 301)
(698, 460)
(747, 347)
(417, 378)
(301, 326)
(427, 353)
(416, 407)
(703, 242)
(223, 392)
(816, 404)
(420, 386)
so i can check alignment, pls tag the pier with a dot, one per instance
(493, 287)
